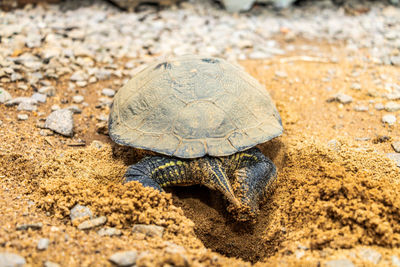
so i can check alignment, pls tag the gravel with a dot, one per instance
(89, 224)
(370, 255)
(148, 230)
(33, 226)
(389, 119)
(124, 258)
(11, 260)
(109, 231)
(61, 121)
(339, 263)
(22, 117)
(43, 244)
(108, 92)
(341, 98)
(395, 157)
(4, 96)
(396, 146)
(79, 211)
(39, 97)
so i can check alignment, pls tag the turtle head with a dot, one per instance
(214, 177)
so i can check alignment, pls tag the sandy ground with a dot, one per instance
(336, 196)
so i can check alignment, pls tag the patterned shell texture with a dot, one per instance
(193, 106)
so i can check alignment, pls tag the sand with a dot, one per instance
(332, 199)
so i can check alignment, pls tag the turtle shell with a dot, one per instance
(192, 106)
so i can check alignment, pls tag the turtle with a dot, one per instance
(202, 118)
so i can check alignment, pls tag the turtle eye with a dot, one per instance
(210, 60)
(166, 65)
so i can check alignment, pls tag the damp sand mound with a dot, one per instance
(323, 198)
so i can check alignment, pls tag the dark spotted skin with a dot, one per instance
(242, 177)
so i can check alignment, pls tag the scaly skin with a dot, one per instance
(242, 177)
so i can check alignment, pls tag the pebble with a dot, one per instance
(11, 260)
(48, 90)
(395, 157)
(39, 97)
(75, 109)
(124, 258)
(148, 230)
(43, 244)
(4, 96)
(108, 92)
(79, 76)
(55, 107)
(109, 231)
(339, 263)
(389, 119)
(341, 98)
(50, 264)
(22, 117)
(61, 121)
(396, 146)
(395, 261)
(19, 100)
(370, 255)
(392, 106)
(379, 106)
(355, 86)
(77, 99)
(361, 108)
(24, 106)
(79, 211)
(89, 224)
(33, 226)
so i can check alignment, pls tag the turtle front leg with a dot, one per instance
(253, 174)
(157, 172)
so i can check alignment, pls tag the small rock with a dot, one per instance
(396, 146)
(108, 92)
(75, 109)
(102, 74)
(79, 211)
(89, 224)
(124, 258)
(395, 261)
(55, 107)
(109, 231)
(48, 90)
(81, 83)
(379, 106)
(78, 76)
(43, 244)
(22, 117)
(281, 74)
(148, 230)
(26, 107)
(33, 226)
(360, 108)
(41, 98)
(50, 264)
(341, 98)
(46, 132)
(4, 96)
(370, 255)
(339, 263)
(11, 260)
(22, 99)
(392, 106)
(355, 86)
(395, 157)
(389, 119)
(77, 99)
(61, 121)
